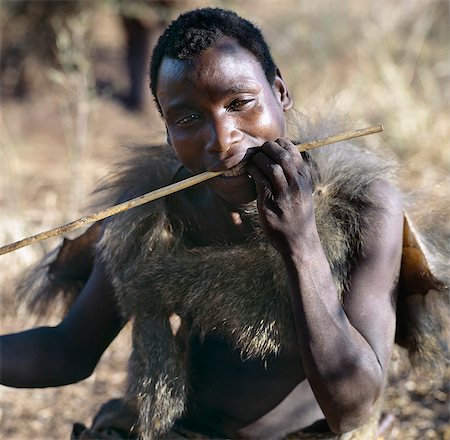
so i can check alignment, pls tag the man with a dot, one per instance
(320, 363)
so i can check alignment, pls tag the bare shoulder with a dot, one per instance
(384, 220)
(383, 236)
(388, 194)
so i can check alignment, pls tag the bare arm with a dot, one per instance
(69, 352)
(345, 348)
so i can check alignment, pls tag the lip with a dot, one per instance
(225, 165)
(236, 160)
(236, 190)
(232, 183)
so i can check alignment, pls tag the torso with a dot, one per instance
(235, 397)
(231, 396)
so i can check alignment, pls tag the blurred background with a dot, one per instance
(74, 90)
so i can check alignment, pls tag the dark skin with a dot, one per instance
(217, 108)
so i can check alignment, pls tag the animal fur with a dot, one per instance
(147, 257)
(61, 275)
(423, 305)
(55, 283)
(244, 284)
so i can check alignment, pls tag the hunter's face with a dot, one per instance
(218, 106)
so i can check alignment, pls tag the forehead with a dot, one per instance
(225, 65)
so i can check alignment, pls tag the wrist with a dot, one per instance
(305, 244)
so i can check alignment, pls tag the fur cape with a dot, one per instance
(155, 272)
(237, 290)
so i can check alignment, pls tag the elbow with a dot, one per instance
(76, 374)
(83, 372)
(67, 371)
(75, 365)
(357, 409)
(349, 420)
(75, 359)
(79, 367)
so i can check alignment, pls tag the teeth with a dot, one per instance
(235, 171)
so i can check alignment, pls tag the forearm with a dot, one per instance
(341, 366)
(39, 358)
(67, 353)
(345, 349)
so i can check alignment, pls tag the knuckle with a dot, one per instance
(257, 158)
(269, 146)
(283, 142)
(286, 143)
(285, 157)
(277, 171)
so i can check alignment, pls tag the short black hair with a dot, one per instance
(195, 31)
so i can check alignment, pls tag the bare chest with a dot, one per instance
(233, 396)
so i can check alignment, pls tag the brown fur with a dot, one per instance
(147, 276)
(244, 284)
(423, 305)
(60, 276)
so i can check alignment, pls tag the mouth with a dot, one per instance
(237, 170)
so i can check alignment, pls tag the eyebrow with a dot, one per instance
(237, 88)
(175, 108)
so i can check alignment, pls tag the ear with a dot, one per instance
(281, 91)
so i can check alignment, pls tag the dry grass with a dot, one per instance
(387, 61)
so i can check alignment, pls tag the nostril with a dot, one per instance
(227, 160)
(219, 149)
(224, 136)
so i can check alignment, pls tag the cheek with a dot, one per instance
(266, 120)
(186, 149)
(270, 118)
(190, 158)
(271, 124)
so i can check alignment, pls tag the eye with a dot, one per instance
(238, 104)
(184, 120)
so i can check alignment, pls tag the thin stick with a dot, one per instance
(165, 191)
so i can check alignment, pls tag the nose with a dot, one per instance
(223, 137)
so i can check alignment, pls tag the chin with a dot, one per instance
(238, 190)
(238, 199)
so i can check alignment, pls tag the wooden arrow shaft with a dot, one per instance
(167, 190)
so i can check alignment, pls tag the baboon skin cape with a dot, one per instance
(156, 271)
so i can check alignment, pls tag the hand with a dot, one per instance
(284, 194)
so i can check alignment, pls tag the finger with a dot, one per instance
(286, 154)
(292, 149)
(271, 170)
(262, 183)
(282, 145)
(267, 204)
(265, 198)
(301, 164)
